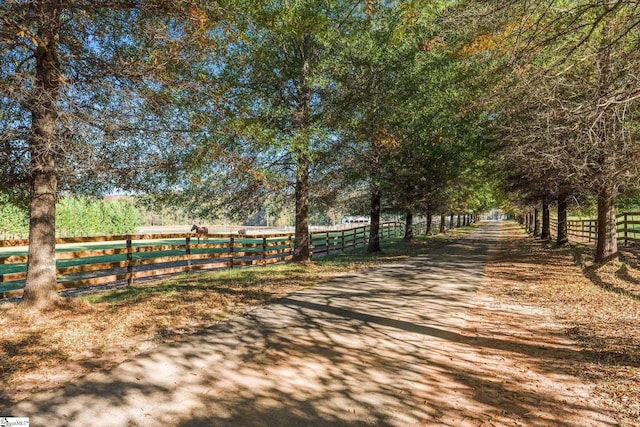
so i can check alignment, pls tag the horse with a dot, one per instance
(199, 231)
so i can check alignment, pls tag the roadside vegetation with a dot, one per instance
(100, 330)
(598, 304)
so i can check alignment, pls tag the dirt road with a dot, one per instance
(399, 345)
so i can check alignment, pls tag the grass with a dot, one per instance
(99, 331)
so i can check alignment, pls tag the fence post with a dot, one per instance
(188, 252)
(290, 241)
(342, 240)
(129, 262)
(231, 250)
(326, 239)
(264, 250)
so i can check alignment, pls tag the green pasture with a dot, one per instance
(632, 230)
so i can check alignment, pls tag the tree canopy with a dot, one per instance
(229, 108)
(86, 105)
(566, 105)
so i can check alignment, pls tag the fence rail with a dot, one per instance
(586, 230)
(130, 257)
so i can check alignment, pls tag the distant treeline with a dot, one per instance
(75, 216)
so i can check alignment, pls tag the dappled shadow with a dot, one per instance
(623, 273)
(22, 349)
(593, 273)
(610, 275)
(599, 317)
(385, 347)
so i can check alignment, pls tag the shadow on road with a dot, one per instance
(386, 347)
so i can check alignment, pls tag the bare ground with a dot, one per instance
(579, 320)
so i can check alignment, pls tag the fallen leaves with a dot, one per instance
(599, 304)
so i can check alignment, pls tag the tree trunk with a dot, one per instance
(408, 227)
(301, 123)
(545, 234)
(40, 290)
(429, 228)
(376, 197)
(301, 251)
(459, 223)
(608, 139)
(443, 225)
(374, 230)
(451, 221)
(536, 222)
(607, 243)
(563, 237)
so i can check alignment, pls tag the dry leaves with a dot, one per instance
(600, 306)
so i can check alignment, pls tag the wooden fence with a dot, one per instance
(130, 257)
(586, 230)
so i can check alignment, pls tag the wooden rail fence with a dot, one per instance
(586, 230)
(130, 257)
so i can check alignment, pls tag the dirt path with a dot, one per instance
(405, 344)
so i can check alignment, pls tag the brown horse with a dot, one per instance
(200, 230)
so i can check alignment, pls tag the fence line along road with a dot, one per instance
(586, 230)
(90, 261)
(99, 260)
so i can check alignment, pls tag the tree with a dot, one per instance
(577, 59)
(384, 91)
(86, 216)
(83, 84)
(274, 140)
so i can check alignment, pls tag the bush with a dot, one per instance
(14, 220)
(84, 216)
